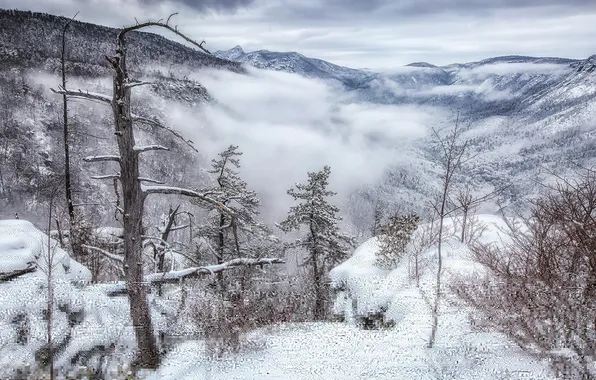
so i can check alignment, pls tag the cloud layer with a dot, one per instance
(287, 125)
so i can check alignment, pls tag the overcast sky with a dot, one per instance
(362, 33)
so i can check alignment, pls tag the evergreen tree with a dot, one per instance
(397, 234)
(378, 216)
(326, 245)
(228, 238)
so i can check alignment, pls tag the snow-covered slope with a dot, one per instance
(22, 246)
(87, 324)
(343, 351)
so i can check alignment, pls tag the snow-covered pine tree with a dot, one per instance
(325, 243)
(229, 239)
(397, 234)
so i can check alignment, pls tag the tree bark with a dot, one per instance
(319, 310)
(220, 251)
(132, 205)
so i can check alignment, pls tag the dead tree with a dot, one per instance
(65, 135)
(134, 191)
(453, 155)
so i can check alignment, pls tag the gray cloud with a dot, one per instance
(363, 33)
(203, 5)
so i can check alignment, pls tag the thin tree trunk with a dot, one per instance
(319, 310)
(220, 251)
(463, 225)
(50, 303)
(435, 309)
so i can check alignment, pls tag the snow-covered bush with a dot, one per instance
(89, 329)
(540, 289)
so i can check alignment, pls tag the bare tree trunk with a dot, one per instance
(463, 225)
(220, 250)
(435, 309)
(133, 205)
(67, 184)
(319, 311)
(453, 160)
(50, 303)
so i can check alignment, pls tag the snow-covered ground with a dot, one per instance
(343, 351)
(86, 322)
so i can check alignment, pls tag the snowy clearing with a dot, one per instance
(344, 351)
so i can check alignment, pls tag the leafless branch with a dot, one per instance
(83, 95)
(189, 193)
(106, 176)
(103, 158)
(132, 84)
(151, 122)
(143, 179)
(105, 253)
(146, 148)
(165, 25)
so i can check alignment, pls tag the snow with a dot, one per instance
(84, 317)
(22, 245)
(344, 351)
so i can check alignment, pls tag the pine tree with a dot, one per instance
(229, 239)
(378, 216)
(397, 234)
(326, 245)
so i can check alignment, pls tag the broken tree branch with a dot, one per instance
(174, 277)
(17, 273)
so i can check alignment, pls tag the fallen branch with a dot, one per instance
(17, 273)
(174, 277)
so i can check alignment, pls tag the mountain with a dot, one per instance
(29, 39)
(296, 63)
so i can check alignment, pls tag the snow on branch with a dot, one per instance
(173, 277)
(137, 83)
(146, 148)
(154, 123)
(83, 95)
(102, 158)
(144, 179)
(105, 253)
(106, 176)
(189, 193)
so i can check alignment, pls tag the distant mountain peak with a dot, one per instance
(422, 64)
(236, 49)
(233, 54)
